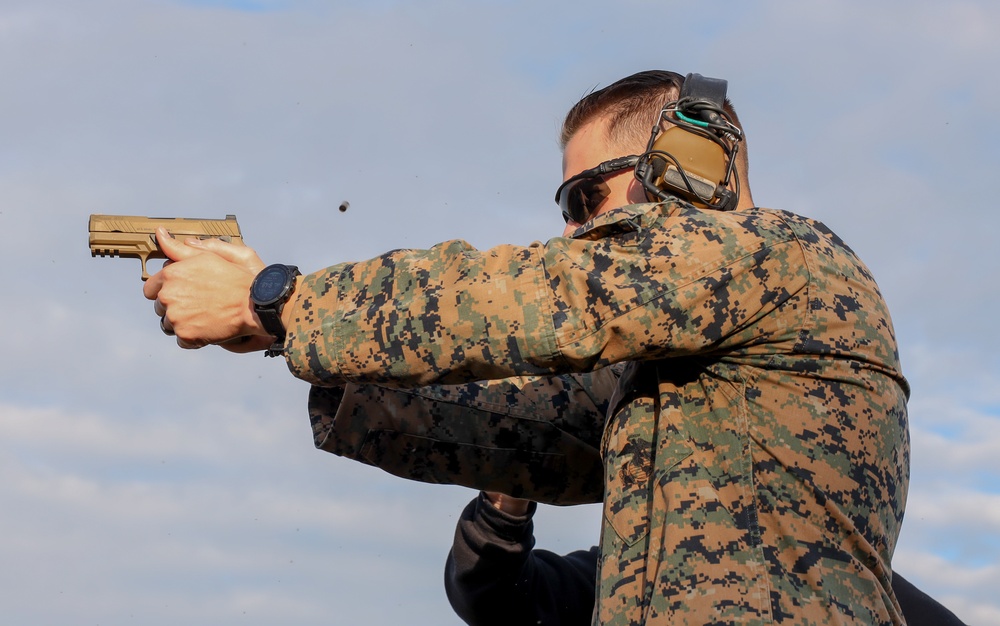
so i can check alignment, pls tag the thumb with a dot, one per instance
(232, 252)
(173, 248)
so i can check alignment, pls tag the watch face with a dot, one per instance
(270, 284)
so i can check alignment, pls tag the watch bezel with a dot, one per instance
(280, 292)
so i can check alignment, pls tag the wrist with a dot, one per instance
(287, 316)
(507, 527)
(272, 288)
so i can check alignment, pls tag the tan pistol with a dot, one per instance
(135, 236)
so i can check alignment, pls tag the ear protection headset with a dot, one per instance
(692, 149)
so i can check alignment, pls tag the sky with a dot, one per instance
(144, 484)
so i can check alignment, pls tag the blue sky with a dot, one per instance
(250, 6)
(145, 484)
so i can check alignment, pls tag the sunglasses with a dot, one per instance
(580, 195)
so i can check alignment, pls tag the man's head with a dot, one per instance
(616, 121)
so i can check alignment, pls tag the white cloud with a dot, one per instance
(263, 522)
(969, 592)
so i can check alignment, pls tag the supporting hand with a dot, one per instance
(202, 294)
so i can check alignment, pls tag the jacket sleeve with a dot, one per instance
(642, 282)
(533, 438)
(493, 577)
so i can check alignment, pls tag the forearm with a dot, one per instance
(416, 317)
(536, 438)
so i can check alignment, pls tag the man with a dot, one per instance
(756, 452)
(495, 577)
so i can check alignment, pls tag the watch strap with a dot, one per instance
(270, 319)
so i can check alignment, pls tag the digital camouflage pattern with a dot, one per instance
(533, 438)
(756, 453)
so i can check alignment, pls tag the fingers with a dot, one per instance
(174, 248)
(177, 250)
(151, 288)
(240, 344)
(201, 294)
(191, 345)
(168, 330)
(203, 300)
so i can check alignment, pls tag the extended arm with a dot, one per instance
(643, 282)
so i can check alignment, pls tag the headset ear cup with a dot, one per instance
(687, 165)
(694, 157)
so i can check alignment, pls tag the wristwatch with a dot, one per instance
(269, 292)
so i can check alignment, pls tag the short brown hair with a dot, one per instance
(632, 105)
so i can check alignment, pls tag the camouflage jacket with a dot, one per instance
(755, 454)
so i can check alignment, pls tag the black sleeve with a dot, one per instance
(536, 438)
(919, 609)
(493, 577)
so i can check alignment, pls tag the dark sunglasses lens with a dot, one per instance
(580, 199)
